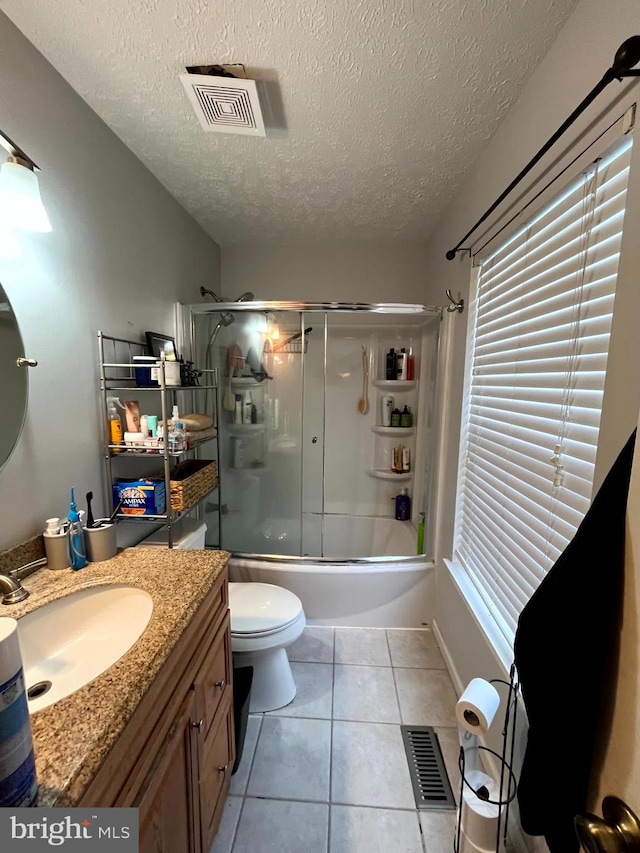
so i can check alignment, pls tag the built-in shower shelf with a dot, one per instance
(247, 427)
(395, 384)
(386, 474)
(384, 430)
(246, 382)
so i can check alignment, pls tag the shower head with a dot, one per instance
(204, 292)
(246, 297)
(226, 319)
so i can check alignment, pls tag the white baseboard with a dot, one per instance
(448, 659)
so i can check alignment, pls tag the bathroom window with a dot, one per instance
(537, 358)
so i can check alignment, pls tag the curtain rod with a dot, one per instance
(627, 56)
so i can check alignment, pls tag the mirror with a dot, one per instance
(14, 380)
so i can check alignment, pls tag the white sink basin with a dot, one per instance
(68, 643)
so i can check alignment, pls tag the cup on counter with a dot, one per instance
(101, 542)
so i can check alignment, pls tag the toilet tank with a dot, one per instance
(188, 535)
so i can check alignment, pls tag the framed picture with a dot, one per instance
(159, 344)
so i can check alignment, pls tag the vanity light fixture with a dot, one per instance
(21, 206)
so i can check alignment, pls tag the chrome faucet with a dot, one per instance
(12, 590)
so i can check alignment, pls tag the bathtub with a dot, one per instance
(368, 578)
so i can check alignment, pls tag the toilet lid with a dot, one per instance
(259, 607)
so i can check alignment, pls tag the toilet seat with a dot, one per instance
(261, 609)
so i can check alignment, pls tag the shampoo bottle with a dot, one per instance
(246, 408)
(237, 410)
(403, 506)
(391, 364)
(77, 551)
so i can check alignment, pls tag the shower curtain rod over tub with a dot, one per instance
(322, 307)
(627, 56)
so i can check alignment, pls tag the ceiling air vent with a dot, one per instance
(225, 104)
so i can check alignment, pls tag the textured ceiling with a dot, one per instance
(377, 108)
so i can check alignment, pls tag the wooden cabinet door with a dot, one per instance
(216, 762)
(213, 681)
(169, 802)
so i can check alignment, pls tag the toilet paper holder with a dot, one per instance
(617, 831)
(505, 765)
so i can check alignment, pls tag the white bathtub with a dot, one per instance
(356, 585)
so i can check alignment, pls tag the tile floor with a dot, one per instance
(328, 773)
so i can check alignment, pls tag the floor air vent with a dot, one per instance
(431, 787)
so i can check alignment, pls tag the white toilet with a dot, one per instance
(265, 619)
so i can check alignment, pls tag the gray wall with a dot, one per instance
(122, 251)
(350, 272)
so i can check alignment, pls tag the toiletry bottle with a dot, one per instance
(237, 410)
(420, 548)
(406, 459)
(411, 365)
(403, 506)
(395, 418)
(238, 452)
(405, 417)
(401, 365)
(144, 426)
(77, 551)
(387, 409)
(391, 364)
(246, 408)
(115, 424)
(181, 437)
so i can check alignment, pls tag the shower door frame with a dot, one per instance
(186, 332)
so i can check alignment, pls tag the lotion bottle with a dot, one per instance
(387, 409)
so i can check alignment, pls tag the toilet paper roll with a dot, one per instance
(477, 706)
(18, 783)
(480, 818)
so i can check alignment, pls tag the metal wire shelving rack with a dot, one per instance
(117, 376)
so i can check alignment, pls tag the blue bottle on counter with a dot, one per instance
(403, 506)
(77, 549)
(18, 782)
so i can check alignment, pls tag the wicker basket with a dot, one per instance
(191, 481)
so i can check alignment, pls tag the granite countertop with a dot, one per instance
(73, 736)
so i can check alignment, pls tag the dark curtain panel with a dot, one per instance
(563, 648)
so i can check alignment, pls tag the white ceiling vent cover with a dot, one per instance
(225, 104)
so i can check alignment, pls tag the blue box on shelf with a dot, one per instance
(140, 497)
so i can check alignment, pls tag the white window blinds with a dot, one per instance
(535, 378)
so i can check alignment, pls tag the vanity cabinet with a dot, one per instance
(169, 819)
(174, 758)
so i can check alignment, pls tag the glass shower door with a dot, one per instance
(260, 358)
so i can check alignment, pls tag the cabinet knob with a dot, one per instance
(221, 684)
(223, 768)
(199, 724)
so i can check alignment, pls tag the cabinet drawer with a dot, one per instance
(213, 681)
(216, 763)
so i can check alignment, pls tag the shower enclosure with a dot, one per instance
(306, 462)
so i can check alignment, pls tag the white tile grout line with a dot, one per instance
(244, 795)
(333, 696)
